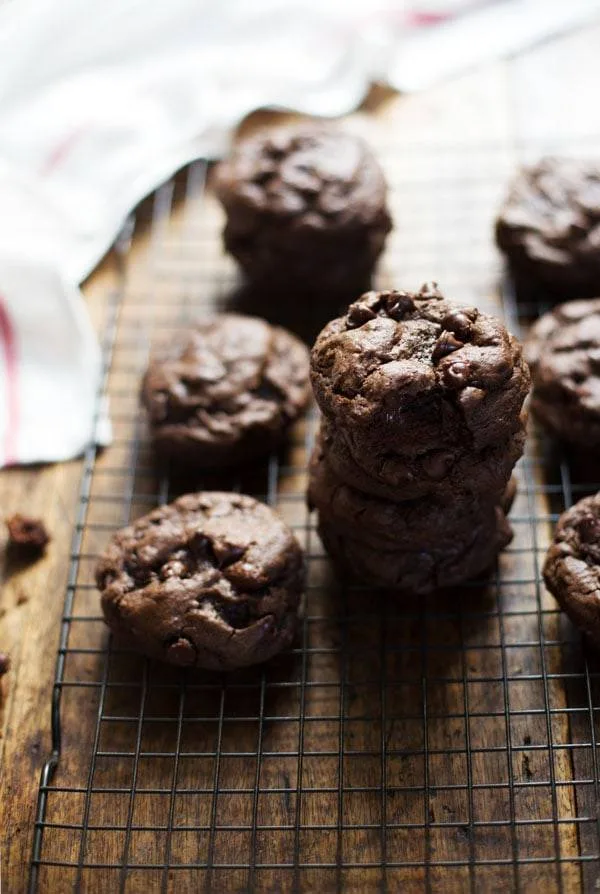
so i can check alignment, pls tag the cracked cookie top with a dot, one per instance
(228, 388)
(550, 221)
(306, 211)
(312, 173)
(212, 580)
(405, 361)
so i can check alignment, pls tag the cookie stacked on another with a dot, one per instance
(423, 421)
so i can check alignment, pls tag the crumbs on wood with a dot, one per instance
(27, 535)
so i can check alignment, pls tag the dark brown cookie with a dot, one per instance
(418, 369)
(225, 392)
(376, 466)
(213, 580)
(563, 351)
(572, 567)
(549, 227)
(306, 210)
(418, 540)
(415, 572)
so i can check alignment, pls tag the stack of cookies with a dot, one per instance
(423, 421)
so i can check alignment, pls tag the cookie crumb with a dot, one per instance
(27, 534)
(4, 663)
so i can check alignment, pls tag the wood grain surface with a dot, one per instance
(443, 746)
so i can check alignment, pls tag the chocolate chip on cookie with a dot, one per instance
(226, 391)
(213, 580)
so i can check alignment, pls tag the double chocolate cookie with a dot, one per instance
(572, 567)
(423, 421)
(213, 580)
(226, 391)
(549, 228)
(382, 467)
(422, 367)
(414, 545)
(306, 210)
(563, 351)
(420, 371)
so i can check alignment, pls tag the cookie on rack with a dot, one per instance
(226, 391)
(549, 229)
(306, 210)
(411, 573)
(213, 580)
(422, 544)
(563, 351)
(572, 567)
(420, 369)
(376, 465)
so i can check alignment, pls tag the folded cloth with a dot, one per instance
(101, 101)
(50, 367)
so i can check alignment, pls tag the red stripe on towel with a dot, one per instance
(8, 339)
(62, 149)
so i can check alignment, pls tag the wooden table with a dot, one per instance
(499, 114)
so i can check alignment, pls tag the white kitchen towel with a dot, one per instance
(50, 366)
(102, 100)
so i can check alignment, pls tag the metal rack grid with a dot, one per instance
(444, 745)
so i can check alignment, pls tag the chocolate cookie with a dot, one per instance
(415, 546)
(226, 391)
(421, 370)
(412, 525)
(572, 567)
(306, 210)
(563, 351)
(549, 227)
(414, 572)
(213, 580)
(376, 466)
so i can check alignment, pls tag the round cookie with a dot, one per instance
(417, 369)
(213, 580)
(377, 467)
(549, 227)
(572, 567)
(414, 525)
(563, 351)
(226, 391)
(306, 210)
(416, 572)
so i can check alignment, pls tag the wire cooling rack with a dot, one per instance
(445, 744)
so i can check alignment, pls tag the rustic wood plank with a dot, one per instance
(31, 605)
